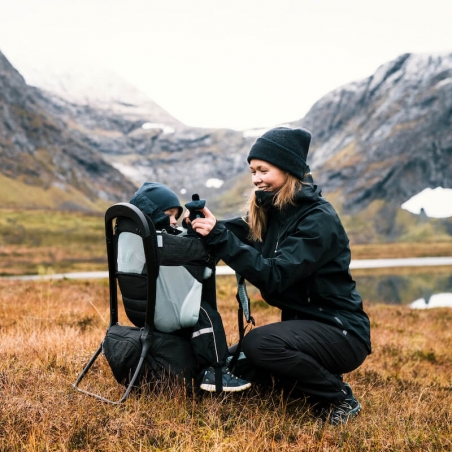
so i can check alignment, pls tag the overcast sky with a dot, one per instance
(235, 63)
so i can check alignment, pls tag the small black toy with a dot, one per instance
(194, 206)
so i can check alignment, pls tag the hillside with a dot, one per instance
(138, 137)
(39, 158)
(381, 140)
(376, 142)
(101, 89)
(386, 137)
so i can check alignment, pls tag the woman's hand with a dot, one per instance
(203, 226)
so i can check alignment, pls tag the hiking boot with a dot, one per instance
(346, 409)
(230, 382)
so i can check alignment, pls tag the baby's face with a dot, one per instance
(172, 213)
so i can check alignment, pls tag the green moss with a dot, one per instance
(44, 228)
(30, 192)
(383, 222)
(348, 156)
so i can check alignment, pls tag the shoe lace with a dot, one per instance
(228, 372)
(341, 412)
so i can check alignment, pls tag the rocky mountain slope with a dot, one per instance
(37, 153)
(102, 90)
(137, 136)
(376, 142)
(386, 137)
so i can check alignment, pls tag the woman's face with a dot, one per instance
(266, 176)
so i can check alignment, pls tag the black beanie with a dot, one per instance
(161, 195)
(285, 148)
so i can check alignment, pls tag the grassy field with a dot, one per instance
(40, 242)
(49, 329)
(47, 242)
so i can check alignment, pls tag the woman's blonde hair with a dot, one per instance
(257, 216)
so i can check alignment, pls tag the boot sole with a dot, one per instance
(211, 388)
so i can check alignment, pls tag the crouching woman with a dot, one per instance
(293, 248)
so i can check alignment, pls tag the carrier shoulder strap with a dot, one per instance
(244, 310)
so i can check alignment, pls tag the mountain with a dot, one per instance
(381, 140)
(388, 136)
(376, 143)
(42, 164)
(100, 89)
(138, 137)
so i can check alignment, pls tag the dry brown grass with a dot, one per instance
(22, 260)
(400, 250)
(49, 329)
(47, 242)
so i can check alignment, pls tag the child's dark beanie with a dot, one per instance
(285, 148)
(161, 195)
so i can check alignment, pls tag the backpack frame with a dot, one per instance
(146, 230)
(143, 344)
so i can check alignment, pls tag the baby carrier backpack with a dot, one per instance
(168, 338)
(158, 344)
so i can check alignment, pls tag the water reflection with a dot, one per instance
(432, 288)
(438, 300)
(428, 286)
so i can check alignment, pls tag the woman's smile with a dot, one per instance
(265, 176)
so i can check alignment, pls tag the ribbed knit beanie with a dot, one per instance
(285, 148)
(161, 195)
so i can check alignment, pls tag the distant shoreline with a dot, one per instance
(225, 270)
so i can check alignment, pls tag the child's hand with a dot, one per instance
(186, 219)
(203, 226)
(186, 223)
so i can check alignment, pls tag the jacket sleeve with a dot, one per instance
(179, 250)
(316, 240)
(239, 228)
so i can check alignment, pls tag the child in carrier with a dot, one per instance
(208, 339)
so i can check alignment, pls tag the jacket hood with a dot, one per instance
(309, 191)
(153, 199)
(161, 196)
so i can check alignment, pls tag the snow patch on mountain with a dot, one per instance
(435, 202)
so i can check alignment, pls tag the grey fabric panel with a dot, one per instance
(178, 299)
(131, 257)
(178, 292)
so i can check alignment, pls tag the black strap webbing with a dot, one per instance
(244, 310)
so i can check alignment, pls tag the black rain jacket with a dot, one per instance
(302, 265)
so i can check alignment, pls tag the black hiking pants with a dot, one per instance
(208, 339)
(306, 356)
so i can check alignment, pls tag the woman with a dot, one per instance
(293, 248)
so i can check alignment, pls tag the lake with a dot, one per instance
(418, 282)
(418, 288)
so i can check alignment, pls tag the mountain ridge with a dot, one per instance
(37, 150)
(391, 132)
(100, 89)
(376, 142)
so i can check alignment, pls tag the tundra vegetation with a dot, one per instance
(50, 328)
(46, 242)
